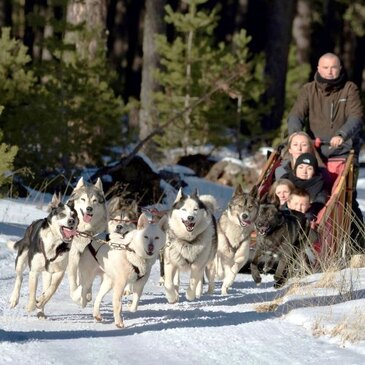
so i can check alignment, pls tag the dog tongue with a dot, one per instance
(68, 233)
(87, 218)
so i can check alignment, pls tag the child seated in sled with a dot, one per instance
(306, 175)
(281, 190)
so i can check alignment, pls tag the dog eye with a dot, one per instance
(83, 199)
(157, 238)
(146, 237)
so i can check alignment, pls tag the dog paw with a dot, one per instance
(76, 295)
(89, 297)
(41, 315)
(98, 318)
(279, 284)
(13, 303)
(224, 291)
(119, 324)
(173, 299)
(31, 307)
(133, 308)
(190, 295)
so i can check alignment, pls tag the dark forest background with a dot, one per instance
(80, 80)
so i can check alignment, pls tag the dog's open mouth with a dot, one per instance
(87, 217)
(263, 230)
(68, 233)
(244, 223)
(189, 225)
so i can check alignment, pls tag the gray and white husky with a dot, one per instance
(126, 260)
(234, 236)
(89, 203)
(45, 249)
(191, 244)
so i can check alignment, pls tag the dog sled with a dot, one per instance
(333, 223)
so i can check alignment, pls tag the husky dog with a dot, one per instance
(278, 239)
(118, 205)
(234, 236)
(127, 259)
(90, 205)
(45, 248)
(191, 244)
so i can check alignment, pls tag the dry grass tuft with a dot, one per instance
(350, 329)
(269, 306)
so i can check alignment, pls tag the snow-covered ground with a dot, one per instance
(311, 325)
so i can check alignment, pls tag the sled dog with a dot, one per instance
(45, 248)
(89, 203)
(234, 236)
(127, 259)
(277, 241)
(118, 205)
(191, 244)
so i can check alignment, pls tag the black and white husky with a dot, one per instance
(45, 249)
(191, 244)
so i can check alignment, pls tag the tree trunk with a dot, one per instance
(5, 13)
(280, 15)
(359, 65)
(302, 31)
(134, 61)
(93, 13)
(153, 24)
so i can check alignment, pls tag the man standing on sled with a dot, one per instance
(329, 108)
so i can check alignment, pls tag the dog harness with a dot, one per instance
(95, 252)
(234, 249)
(34, 236)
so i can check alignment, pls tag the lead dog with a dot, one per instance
(45, 248)
(234, 236)
(90, 205)
(191, 244)
(127, 259)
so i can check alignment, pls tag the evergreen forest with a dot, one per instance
(83, 80)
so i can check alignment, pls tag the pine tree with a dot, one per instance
(191, 67)
(63, 113)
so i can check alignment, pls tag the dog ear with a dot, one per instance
(265, 199)
(254, 191)
(163, 223)
(239, 190)
(99, 184)
(180, 195)
(56, 199)
(80, 183)
(142, 221)
(71, 204)
(195, 193)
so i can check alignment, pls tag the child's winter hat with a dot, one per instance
(307, 159)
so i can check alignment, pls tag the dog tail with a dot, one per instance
(11, 245)
(210, 202)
